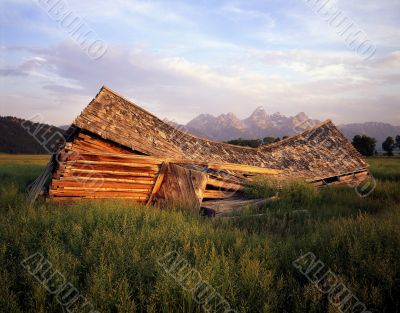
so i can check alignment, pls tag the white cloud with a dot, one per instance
(235, 11)
(179, 89)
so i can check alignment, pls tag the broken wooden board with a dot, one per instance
(181, 184)
(158, 182)
(227, 207)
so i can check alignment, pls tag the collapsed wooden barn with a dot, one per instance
(115, 149)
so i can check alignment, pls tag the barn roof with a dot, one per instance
(319, 152)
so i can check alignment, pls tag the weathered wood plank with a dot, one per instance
(139, 181)
(95, 144)
(231, 167)
(94, 189)
(115, 164)
(107, 174)
(101, 184)
(67, 200)
(360, 171)
(347, 178)
(243, 168)
(96, 194)
(115, 158)
(131, 168)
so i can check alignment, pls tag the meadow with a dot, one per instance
(110, 251)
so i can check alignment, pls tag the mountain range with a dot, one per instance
(260, 124)
(377, 130)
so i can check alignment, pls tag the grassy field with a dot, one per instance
(109, 251)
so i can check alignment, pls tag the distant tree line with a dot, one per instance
(367, 145)
(364, 144)
(255, 143)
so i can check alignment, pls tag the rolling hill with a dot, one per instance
(21, 136)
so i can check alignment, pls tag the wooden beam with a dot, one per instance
(222, 184)
(231, 167)
(216, 194)
(116, 157)
(114, 173)
(316, 179)
(112, 167)
(139, 181)
(98, 194)
(243, 168)
(100, 184)
(79, 199)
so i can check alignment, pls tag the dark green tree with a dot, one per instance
(268, 140)
(398, 141)
(254, 143)
(388, 145)
(364, 144)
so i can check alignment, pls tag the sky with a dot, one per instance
(178, 59)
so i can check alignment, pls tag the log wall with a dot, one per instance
(92, 168)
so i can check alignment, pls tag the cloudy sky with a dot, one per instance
(178, 59)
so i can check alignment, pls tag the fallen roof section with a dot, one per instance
(314, 154)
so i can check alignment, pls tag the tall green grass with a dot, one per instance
(109, 250)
